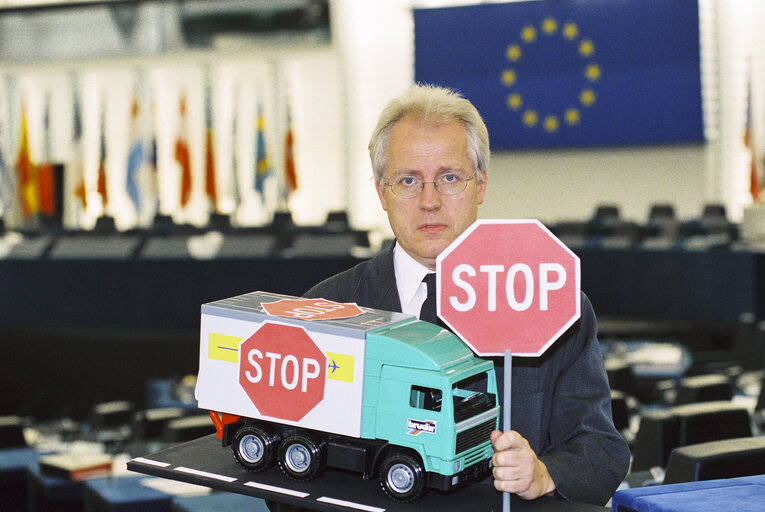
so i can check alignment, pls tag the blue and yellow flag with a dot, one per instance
(262, 169)
(548, 73)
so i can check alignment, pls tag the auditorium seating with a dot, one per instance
(662, 229)
(728, 458)
(703, 388)
(661, 431)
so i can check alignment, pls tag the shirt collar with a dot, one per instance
(409, 274)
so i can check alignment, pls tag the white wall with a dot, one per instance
(569, 184)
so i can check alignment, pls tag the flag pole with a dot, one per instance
(506, 401)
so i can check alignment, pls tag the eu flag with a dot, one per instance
(549, 73)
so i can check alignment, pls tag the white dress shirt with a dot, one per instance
(409, 275)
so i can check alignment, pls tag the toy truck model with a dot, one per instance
(375, 392)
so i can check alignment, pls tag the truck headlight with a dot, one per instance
(457, 466)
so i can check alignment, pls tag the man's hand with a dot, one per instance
(517, 468)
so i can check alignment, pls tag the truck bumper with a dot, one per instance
(473, 473)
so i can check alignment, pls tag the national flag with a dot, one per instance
(210, 187)
(47, 186)
(552, 73)
(45, 177)
(101, 183)
(136, 155)
(223, 347)
(80, 189)
(29, 196)
(752, 143)
(290, 175)
(262, 170)
(340, 367)
(210, 182)
(182, 156)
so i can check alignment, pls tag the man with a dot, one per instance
(430, 157)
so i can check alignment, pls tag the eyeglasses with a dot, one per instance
(448, 184)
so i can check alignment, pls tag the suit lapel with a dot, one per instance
(383, 275)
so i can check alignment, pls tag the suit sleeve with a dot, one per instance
(587, 457)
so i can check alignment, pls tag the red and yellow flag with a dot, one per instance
(46, 183)
(182, 156)
(210, 171)
(290, 175)
(29, 196)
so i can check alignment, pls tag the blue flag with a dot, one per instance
(550, 73)
(136, 158)
(262, 169)
(136, 155)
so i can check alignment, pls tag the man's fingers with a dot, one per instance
(506, 441)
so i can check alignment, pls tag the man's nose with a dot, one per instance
(430, 196)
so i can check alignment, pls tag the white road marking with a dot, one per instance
(150, 462)
(273, 488)
(205, 474)
(350, 504)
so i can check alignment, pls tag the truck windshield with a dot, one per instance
(471, 397)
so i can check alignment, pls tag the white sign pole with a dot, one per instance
(508, 387)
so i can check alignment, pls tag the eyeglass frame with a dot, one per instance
(435, 185)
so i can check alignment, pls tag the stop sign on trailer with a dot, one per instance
(508, 285)
(282, 371)
(311, 309)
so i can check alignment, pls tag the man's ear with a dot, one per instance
(380, 187)
(482, 186)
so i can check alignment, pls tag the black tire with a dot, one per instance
(402, 477)
(302, 457)
(255, 447)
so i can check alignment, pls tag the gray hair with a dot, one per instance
(438, 105)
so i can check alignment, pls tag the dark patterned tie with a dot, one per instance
(428, 310)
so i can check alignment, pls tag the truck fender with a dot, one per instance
(374, 467)
(388, 448)
(230, 430)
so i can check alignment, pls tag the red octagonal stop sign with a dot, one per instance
(282, 371)
(508, 285)
(311, 309)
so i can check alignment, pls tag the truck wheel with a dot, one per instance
(402, 477)
(302, 457)
(254, 447)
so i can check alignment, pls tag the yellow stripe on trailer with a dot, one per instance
(339, 367)
(223, 347)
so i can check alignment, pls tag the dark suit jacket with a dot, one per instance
(561, 402)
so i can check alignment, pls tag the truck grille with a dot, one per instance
(474, 435)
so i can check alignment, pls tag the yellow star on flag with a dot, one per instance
(508, 77)
(592, 72)
(570, 30)
(514, 101)
(530, 118)
(528, 34)
(513, 52)
(587, 97)
(586, 48)
(572, 116)
(549, 26)
(551, 123)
